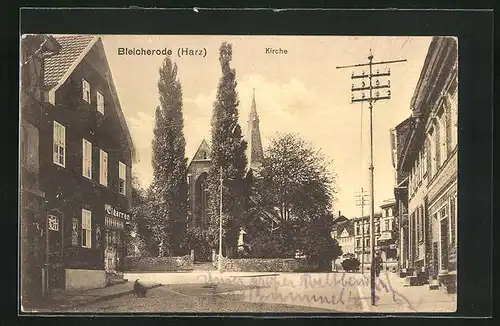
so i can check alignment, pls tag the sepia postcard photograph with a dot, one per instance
(238, 173)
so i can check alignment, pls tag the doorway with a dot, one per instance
(110, 252)
(444, 243)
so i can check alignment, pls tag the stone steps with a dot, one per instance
(116, 278)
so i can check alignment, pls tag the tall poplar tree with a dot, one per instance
(228, 153)
(169, 189)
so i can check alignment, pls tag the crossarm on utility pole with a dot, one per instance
(370, 99)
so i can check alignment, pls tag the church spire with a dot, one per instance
(255, 151)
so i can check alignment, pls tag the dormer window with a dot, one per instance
(86, 90)
(100, 103)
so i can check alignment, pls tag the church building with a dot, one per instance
(201, 163)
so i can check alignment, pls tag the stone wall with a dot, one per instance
(158, 264)
(82, 279)
(263, 265)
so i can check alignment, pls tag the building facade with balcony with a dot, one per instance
(85, 154)
(384, 234)
(399, 135)
(430, 159)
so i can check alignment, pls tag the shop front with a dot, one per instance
(444, 232)
(115, 224)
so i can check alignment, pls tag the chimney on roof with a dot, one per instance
(339, 214)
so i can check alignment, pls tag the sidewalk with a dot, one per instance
(397, 298)
(64, 300)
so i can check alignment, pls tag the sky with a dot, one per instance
(300, 92)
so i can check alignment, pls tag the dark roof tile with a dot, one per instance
(57, 65)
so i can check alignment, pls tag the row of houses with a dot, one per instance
(353, 235)
(425, 160)
(75, 164)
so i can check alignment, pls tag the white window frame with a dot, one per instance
(100, 103)
(59, 144)
(453, 102)
(122, 176)
(86, 91)
(103, 168)
(443, 150)
(86, 228)
(86, 159)
(433, 146)
(424, 158)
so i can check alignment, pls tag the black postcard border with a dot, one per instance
(474, 30)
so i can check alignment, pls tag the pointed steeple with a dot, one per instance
(255, 151)
(253, 111)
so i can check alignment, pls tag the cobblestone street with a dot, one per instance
(187, 298)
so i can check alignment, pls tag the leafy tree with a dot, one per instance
(168, 200)
(140, 221)
(316, 243)
(228, 153)
(296, 183)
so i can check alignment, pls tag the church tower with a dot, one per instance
(255, 151)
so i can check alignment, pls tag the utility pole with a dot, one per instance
(220, 224)
(361, 201)
(371, 99)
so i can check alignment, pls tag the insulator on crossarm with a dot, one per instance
(363, 95)
(389, 83)
(389, 93)
(363, 83)
(352, 87)
(377, 82)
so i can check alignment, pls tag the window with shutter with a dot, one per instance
(103, 168)
(86, 91)
(59, 144)
(100, 103)
(86, 229)
(122, 177)
(87, 159)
